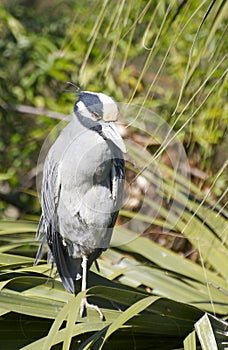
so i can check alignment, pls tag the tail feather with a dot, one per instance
(40, 251)
(69, 268)
(40, 235)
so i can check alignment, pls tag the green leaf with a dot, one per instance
(12, 301)
(190, 341)
(212, 332)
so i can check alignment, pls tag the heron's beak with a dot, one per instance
(111, 132)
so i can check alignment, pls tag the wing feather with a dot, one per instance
(49, 202)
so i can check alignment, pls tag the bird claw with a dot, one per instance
(85, 305)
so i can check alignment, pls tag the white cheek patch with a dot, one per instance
(83, 109)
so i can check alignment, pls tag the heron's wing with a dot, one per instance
(51, 184)
(49, 198)
(68, 268)
(117, 185)
(117, 180)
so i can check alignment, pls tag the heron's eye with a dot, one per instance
(96, 116)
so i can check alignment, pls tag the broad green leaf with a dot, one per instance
(11, 260)
(63, 314)
(212, 249)
(216, 221)
(212, 332)
(61, 335)
(205, 334)
(126, 315)
(12, 301)
(190, 341)
(163, 257)
(11, 227)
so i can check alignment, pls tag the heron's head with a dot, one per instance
(96, 106)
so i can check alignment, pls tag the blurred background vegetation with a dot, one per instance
(170, 57)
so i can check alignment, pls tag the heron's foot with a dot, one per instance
(85, 305)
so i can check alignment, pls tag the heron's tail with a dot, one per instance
(69, 268)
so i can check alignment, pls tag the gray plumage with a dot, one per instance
(82, 187)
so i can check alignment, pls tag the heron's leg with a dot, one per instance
(84, 271)
(84, 303)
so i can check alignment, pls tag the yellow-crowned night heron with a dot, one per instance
(82, 189)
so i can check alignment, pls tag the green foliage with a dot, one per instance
(172, 58)
(133, 314)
